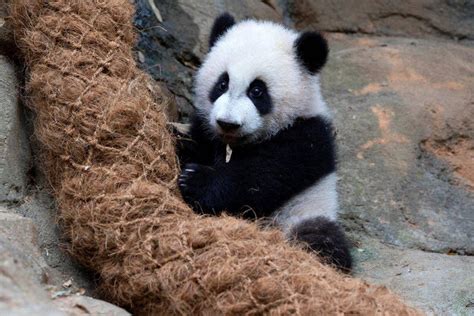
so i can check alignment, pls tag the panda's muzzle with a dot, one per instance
(228, 127)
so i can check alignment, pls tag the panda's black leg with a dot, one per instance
(325, 237)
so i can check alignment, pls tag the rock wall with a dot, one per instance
(449, 19)
(28, 285)
(15, 155)
(398, 103)
(404, 113)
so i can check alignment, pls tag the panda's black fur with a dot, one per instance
(221, 24)
(268, 173)
(261, 176)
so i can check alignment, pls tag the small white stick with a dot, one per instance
(228, 153)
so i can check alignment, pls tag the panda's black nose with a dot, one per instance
(227, 126)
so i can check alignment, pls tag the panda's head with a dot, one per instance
(257, 78)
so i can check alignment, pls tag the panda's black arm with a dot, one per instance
(260, 178)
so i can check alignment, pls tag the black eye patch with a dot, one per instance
(258, 93)
(220, 87)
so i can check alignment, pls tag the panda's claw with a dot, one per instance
(193, 182)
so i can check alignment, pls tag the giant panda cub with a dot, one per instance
(261, 143)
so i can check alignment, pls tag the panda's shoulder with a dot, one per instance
(308, 129)
(306, 136)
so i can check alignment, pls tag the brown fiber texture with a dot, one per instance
(111, 162)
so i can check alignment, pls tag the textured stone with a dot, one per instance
(419, 18)
(439, 284)
(20, 273)
(404, 112)
(39, 207)
(18, 234)
(14, 148)
(172, 50)
(392, 97)
(28, 284)
(84, 305)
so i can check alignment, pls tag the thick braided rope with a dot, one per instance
(112, 166)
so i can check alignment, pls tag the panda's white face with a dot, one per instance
(251, 84)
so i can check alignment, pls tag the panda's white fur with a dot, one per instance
(317, 200)
(250, 50)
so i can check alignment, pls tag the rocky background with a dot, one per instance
(400, 81)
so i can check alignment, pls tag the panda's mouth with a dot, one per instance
(232, 138)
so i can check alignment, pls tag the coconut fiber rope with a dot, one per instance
(111, 163)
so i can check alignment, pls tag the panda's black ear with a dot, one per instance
(312, 51)
(222, 23)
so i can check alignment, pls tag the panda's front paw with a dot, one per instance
(194, 183)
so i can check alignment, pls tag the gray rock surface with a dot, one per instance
(439, 284)
(18, 238)
(21, 269)
(403, 111)
(14, 148)
(27, 284)
(416, 18)
(38, 206)
(83, 305)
